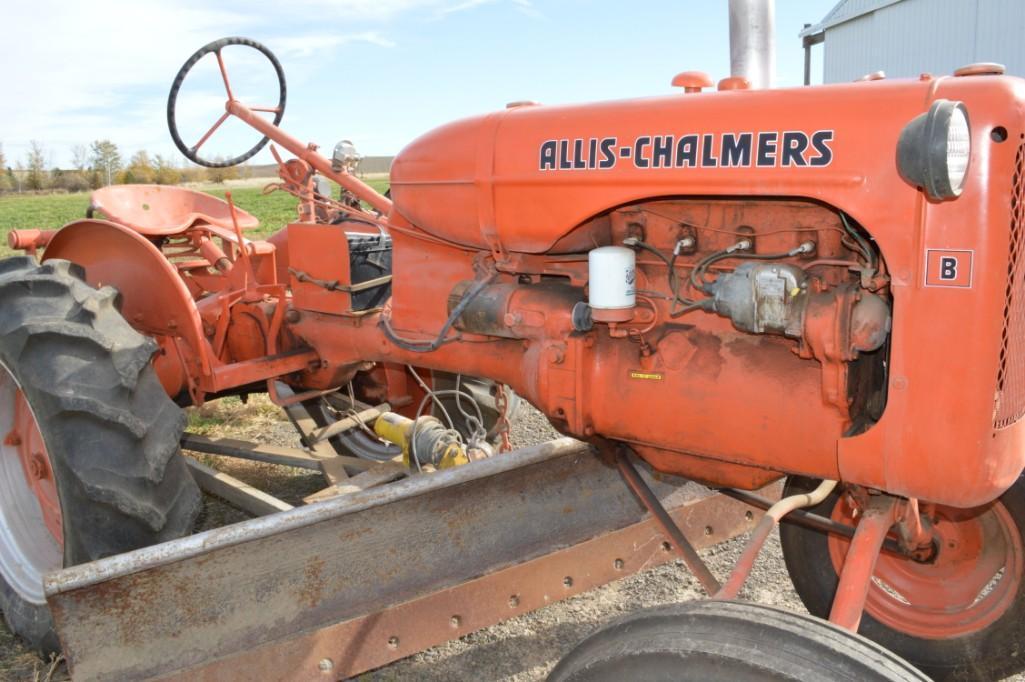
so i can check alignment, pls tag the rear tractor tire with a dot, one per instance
(729, 641)
(90, 464)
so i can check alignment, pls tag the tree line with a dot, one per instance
(98, 165)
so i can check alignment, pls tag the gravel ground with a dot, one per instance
(518, 650)
(526, 648)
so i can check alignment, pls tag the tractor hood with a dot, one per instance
(522, 179)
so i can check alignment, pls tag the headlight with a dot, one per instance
(934, 150)
(345, 157)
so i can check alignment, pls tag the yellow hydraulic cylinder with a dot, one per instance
(434, 443)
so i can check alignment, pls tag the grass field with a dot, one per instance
(51, 211)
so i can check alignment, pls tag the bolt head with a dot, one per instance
(38, 466)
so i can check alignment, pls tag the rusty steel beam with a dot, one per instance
(272, 454)
(234, 491)
(260, 369)
(354, 646)
(334, 577)
(231, 447)
(346, 423)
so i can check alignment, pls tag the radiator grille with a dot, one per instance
(1010, 395)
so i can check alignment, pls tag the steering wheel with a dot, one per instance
(191, 153)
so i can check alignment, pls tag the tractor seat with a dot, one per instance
(162, 210)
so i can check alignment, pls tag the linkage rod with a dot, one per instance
(665, 522)
(805, 518)
(310, 156)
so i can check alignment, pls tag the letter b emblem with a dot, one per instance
(948, 268)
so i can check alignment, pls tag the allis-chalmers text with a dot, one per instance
(774, 149)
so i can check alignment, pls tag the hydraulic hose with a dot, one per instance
(742, 570)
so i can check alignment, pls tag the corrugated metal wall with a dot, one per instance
(936, 36)
(375, 164)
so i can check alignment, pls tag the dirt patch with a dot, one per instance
(256, 420)
(19, 663)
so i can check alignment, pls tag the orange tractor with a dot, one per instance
(730, 285)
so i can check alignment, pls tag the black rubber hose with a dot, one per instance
(867, 250)
(425, 346)
(674, 282)
(699, 270)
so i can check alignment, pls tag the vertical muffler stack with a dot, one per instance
(753, 42)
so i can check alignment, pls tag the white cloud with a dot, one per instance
(308, 45)
(380, 11)
(357, 10)
(79, 71)
(523, 6)
(527, 8)
(463, 6)
(88, 70)
(78, 64)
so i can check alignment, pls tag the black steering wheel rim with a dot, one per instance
(172, 100)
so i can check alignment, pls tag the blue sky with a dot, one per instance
(379, 72)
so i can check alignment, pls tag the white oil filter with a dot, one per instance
(612, 276)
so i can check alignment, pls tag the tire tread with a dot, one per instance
(111, 431)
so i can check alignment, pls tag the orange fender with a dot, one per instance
(155, 300)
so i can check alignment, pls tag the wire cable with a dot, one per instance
(476, 424)
(416, 346)
(430, 392)
(866, 250)
(672, 278)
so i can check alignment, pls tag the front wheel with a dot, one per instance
(958, 615)
(89, 458)
(731, 642)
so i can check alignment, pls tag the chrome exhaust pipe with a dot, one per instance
(753, 41)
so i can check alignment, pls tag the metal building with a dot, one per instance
(904, 38)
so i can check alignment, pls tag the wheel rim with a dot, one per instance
(970, 583)
(31, 535)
